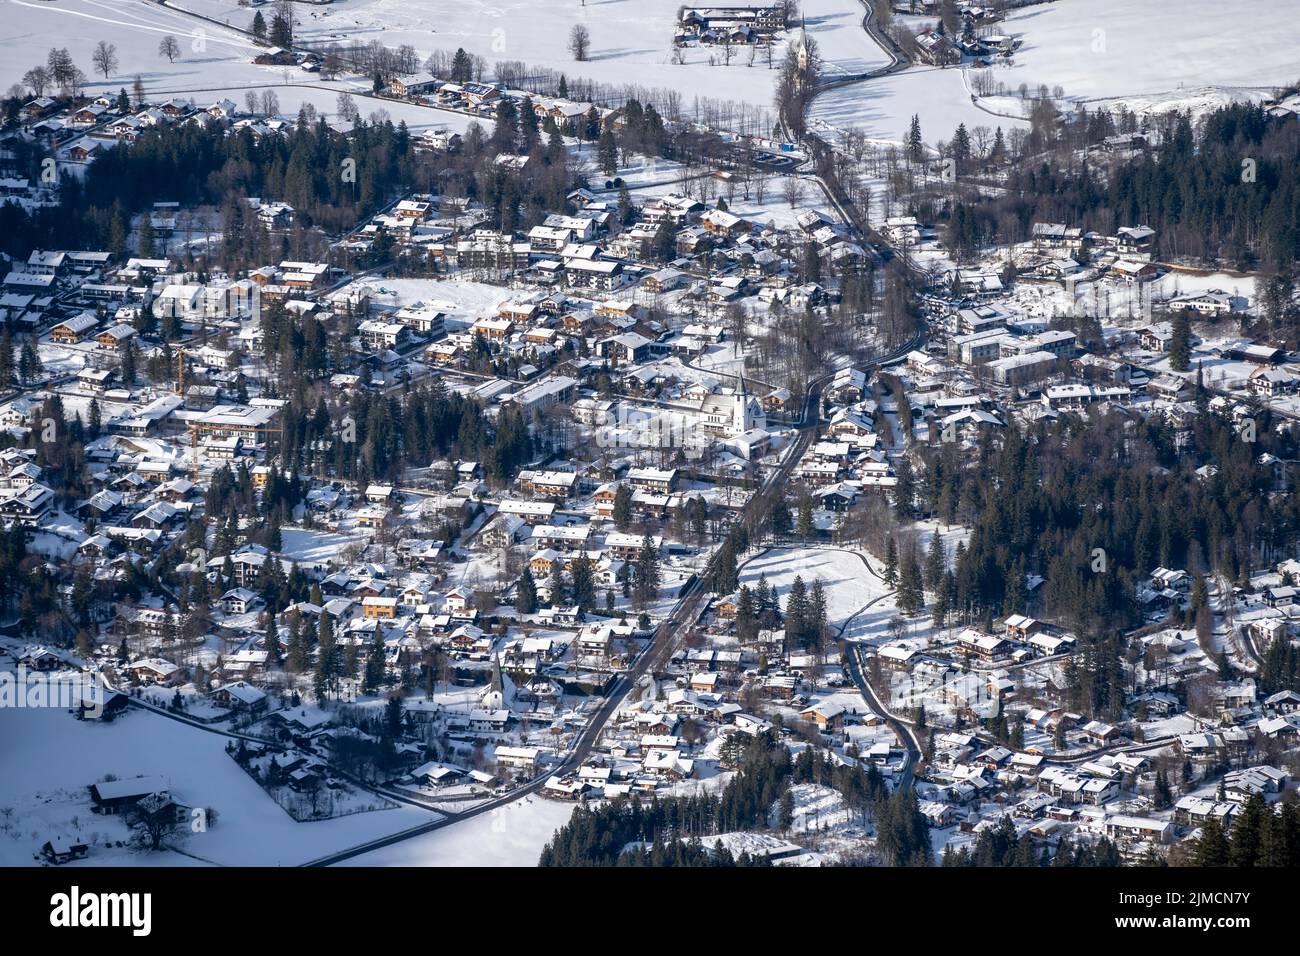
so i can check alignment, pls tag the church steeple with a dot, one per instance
(801, 50)
(740, 417)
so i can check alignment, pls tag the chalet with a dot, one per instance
(73, 330)
(241, 697)
(489, 721)
(58, 850)
(519, 758)
(828, 717)
(1099, 732)
(275, 57)
(240, 601)
(1272, 382)
(378, 335)
(1130, 270)
(1055, 235)
(113, 338)
(551, 484)
(661, 480)
(1214, 302)
(599, 275)
(937, 50)
(1021, 628)
(986, 647)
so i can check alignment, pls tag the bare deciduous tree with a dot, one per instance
(792, 191)
(104, 58)
(270, 103)
(169, 48)
(38, 78)
(579, 42)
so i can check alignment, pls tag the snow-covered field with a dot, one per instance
(883, 108)
(836, 27)
(1148, 54)
(849, 586)
(215, 56)
(214, 63)
(50, 759)
(512, 835)
(631, 40)
(1122, 48)
(465, 301)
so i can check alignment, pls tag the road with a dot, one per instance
(903, 731)
(660, 649)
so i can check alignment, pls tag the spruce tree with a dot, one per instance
(1180, 343)
(890, 575)
(526, 593)
(911, 590)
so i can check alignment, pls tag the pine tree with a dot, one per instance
(462, 67)
(375, 661)
(647, 571)
(746, 615)
(904, 488)
(960, 148)
(526, 593)
(797, 612)
(1247, 832)
(781, 520)
(1212, 848)
(936, 563)
(622, 512)
(915, 145)
(6, 358)
(272, 642)
(939, 611)
(721, 576)
(998, 151)
(890, 575)
(1180, 343)
(607, 153)
(785, 818)
(817, 614)
(583, 585)
(911, 591)
(803, 526)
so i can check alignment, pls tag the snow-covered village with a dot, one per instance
(825, 434)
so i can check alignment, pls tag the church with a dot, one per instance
(732, 411)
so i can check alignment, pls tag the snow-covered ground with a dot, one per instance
(48, 796)
(512, 835)
(836, 27)
(466, 301)
(631, 40)
(1153, 48)
(1146, 54)
(135, 28)
(214, 63)
(882, 109)
(849, 586)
